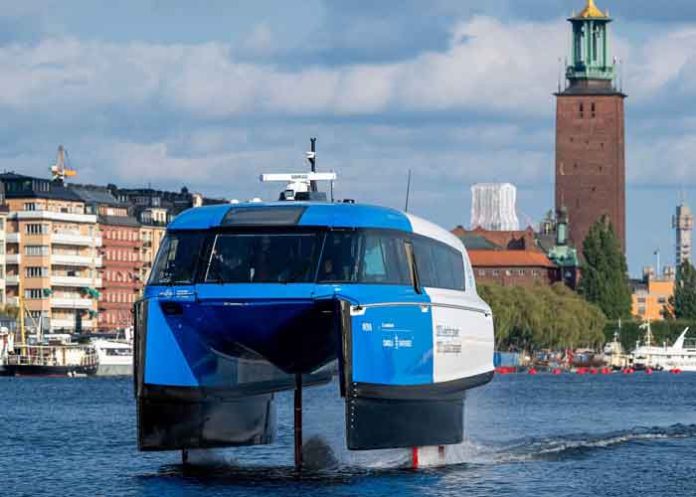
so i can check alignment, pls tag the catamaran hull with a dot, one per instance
(204, 379)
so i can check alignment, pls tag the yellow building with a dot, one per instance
(3, 227)
(52, 253)
(151, 237)
(651, 294)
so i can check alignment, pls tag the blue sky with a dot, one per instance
(210, 94)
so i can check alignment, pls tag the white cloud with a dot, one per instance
(489, 65)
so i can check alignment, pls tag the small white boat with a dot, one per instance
(678, 356)
(614, 355)
(115, 357)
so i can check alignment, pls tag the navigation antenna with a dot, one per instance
(303, 186)
(312, 158)
(408, 190)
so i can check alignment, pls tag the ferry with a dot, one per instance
(679, 356)
(251, 299)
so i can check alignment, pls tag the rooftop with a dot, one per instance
(509, 258)
(591, 11)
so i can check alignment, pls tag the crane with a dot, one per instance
(59, 170)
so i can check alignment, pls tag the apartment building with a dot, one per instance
(3, 226)
(52, 253)
(121, 255)
(151, 236)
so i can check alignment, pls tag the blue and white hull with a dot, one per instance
(210, 357)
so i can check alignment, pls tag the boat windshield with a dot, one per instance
(264, 258)
(279, 256)
(177, 258)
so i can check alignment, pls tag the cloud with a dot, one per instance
(485, 68)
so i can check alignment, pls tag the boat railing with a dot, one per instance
(50, 355)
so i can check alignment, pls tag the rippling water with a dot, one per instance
(545, 435)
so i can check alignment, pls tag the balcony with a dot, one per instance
(75, 260)
(70, 323)
(76, 239)
(77, 281)
(11, 279)
(71, 303)
(55, 216)
(13, 259)
(14, 301)
(13, 238)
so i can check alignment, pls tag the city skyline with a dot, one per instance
(138, 105)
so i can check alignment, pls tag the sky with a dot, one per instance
(209, 95)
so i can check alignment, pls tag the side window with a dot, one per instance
(439, 265)
(384, 260)
(364, 257)
(425, 262)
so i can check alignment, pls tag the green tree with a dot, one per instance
(542, 317)
(604, 277)
(682, 305)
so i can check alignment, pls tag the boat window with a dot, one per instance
(177, 259)
(364, 257)
(264, 258)
(439, 265)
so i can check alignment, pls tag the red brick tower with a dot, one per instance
(590, 163)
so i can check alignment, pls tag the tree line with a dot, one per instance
(540, 317)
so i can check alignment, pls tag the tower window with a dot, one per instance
(582, 110)
(592, 109)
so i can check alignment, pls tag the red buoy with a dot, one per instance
(676, 371)
(581, 371)
(606, 371)
(556, 371)
(648, 371)
(532, 371)
(593, 371)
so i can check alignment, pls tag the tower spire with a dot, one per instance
(590, 56)
(591, 11)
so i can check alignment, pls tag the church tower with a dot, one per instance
(590, 163)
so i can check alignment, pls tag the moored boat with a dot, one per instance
(679, 356)
(115, 357)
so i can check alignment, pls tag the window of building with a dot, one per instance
(496, 272)
(641, 300)
(34, 293)
(36, 272)
(36, 250)
(592, 110)
(641, 310)
(29, 206)
(36, 229)
(662, 300)
(581, 110)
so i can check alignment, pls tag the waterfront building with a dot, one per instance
(509, 258)
(590, 149)
(149, 203)
(479, 238)
(3, 238)
(683, 223)
(513, 267)
(52, 253)
(651, 294)
(493, 207)
(553, 239)
(151, 237)
(121, 255)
